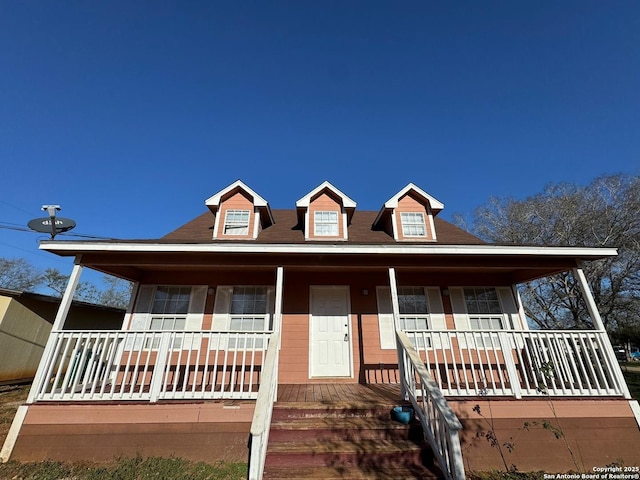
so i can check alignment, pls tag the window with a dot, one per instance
(325, 224)
(169, 312)
(413, 224)
(249, 313)
(414, 313)
(171, 300)
(236, 222)
(483, 307)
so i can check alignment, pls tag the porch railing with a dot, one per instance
(520, 363)
(439, 423)
(152, 365)
(261, 423)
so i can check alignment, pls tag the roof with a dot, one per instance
(56, 300)
(346, 201)
(287, 229)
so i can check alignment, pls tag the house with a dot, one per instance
(246, 318)
(25, 324)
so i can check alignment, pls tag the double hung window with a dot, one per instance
(414, 313)
(248, 313)
(236, 222)
(485, 313)
(483, 307)
(169, 312)
(413, 224)
(325, 224)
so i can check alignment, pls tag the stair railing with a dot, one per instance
(439, 423)
(267, 393)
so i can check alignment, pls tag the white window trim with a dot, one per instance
(463, 318)
(436, 320)
(336, 223)
(405, 226)
(222, 315)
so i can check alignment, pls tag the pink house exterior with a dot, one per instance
(244, 300)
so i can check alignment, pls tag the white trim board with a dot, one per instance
(404, 249)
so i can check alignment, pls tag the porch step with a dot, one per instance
(345, 440)
(343, 473)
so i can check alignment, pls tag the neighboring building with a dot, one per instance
(244, 305)
(25, 325)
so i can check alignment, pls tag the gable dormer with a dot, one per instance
(240, 213)
(325, 213)
(408, 215)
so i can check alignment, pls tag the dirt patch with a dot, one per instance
(11, 397)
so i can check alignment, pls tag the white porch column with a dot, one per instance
(58, 324)
(396, 326)
(597, 322)
(277, 324)
(394, 298)
(588, 298)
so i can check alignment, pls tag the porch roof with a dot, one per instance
(132, 259)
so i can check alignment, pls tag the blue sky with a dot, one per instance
(130, 114)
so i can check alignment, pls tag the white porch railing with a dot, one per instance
(439, 423)
(520, 363)
(261, 423)
(145, 365)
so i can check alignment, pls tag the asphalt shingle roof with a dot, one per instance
(287, 229)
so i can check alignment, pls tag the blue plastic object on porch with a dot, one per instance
(402, 414)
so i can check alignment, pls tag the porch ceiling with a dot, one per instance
(133, 260)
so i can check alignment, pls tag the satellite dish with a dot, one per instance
(51, 224)
(43, 225)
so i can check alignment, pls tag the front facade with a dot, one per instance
(244, 299)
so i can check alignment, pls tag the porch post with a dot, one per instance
(597, 322)
(58, 324)
(586, 294)
(396, 326)
(277, 324)
(394, 298)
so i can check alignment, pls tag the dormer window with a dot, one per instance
(408, 215)
(240, 213)
(413, 224)
(236, 222)
(325, 213)
(326, 224)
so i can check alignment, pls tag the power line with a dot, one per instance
(17, 227)
(16, 208)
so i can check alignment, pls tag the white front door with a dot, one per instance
(330, 332)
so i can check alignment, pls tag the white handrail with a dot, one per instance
(439, 423)
(261, 422)
(90, 365)
(520, 363)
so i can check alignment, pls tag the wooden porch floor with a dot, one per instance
(382, 393)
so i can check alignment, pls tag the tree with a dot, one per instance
(601, 214)
(18, 274)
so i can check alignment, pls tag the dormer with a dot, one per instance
(240, 213)
(408, 215)
(325, 213)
